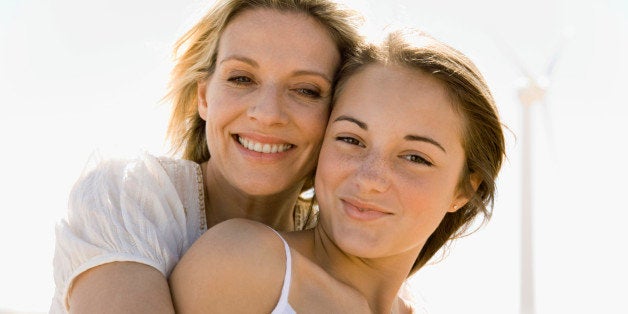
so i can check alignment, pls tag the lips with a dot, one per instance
(362, 211)
(265, 148)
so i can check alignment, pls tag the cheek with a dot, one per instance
(331, 169)
(312, 121)
(217, 105)
(423, 215)
(427, 198)
(223, 108)
(324, 169)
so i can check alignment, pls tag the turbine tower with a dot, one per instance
(529, 95)
(532, 93)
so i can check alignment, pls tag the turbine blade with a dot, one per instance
(509, 52)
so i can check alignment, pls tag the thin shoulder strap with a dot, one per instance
(283, 304)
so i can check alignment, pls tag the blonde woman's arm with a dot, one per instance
(124, 232)
(121, 287)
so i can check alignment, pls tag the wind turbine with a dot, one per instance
(531, 93)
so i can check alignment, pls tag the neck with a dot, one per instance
(378, 280)
(224, 201)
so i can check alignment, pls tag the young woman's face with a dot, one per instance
(390, 162)
(267, 102)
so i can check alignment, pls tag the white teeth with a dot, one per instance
(264, 148)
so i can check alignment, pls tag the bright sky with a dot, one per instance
(79, 76)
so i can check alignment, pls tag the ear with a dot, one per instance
(201, 92)
(462, 198)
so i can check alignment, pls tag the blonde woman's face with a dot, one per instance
(267, 103)
(390, 162)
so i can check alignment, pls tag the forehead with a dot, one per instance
(400, 99)
(284, 35)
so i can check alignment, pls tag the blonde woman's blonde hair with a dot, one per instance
(195, 55)
(482, 134)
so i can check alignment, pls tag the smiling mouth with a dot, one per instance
(264, 148)
(361, 212)
(361, 207)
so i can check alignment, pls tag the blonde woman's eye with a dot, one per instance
(240, 80)
(417, 159)
(308, 92)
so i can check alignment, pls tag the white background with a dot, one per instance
(80, 76)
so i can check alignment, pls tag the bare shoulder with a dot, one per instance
(237, 265)
(237, 231)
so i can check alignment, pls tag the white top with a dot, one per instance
(147, 210)
(283, 307)
(406, 292)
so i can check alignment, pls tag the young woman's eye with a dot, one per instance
(417, 159)
(349, 140)
(240, 80)
(308, 92)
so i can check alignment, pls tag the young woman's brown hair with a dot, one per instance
(483, 139)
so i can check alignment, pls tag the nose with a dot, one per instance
(372, 175)
(268, 108)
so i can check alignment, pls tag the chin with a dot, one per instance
(362, 251)
(359, 243)
(263, 187)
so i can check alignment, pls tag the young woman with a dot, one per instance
(409, 159)
(252, 87)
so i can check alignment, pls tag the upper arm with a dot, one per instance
(119, 212)
(121, 287)
(236, 266)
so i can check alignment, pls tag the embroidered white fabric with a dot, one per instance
(148, 210)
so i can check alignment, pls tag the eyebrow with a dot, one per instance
(314, 73)
(240, 58)
(425, 139)
(256, 65)
(409, 137)
(359, 123)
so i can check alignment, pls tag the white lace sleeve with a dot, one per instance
(120, 211)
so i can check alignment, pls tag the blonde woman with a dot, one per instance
(251, 91)
(409, 160)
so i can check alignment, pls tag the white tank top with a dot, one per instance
(283, 307)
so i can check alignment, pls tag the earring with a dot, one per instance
(455, 207)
